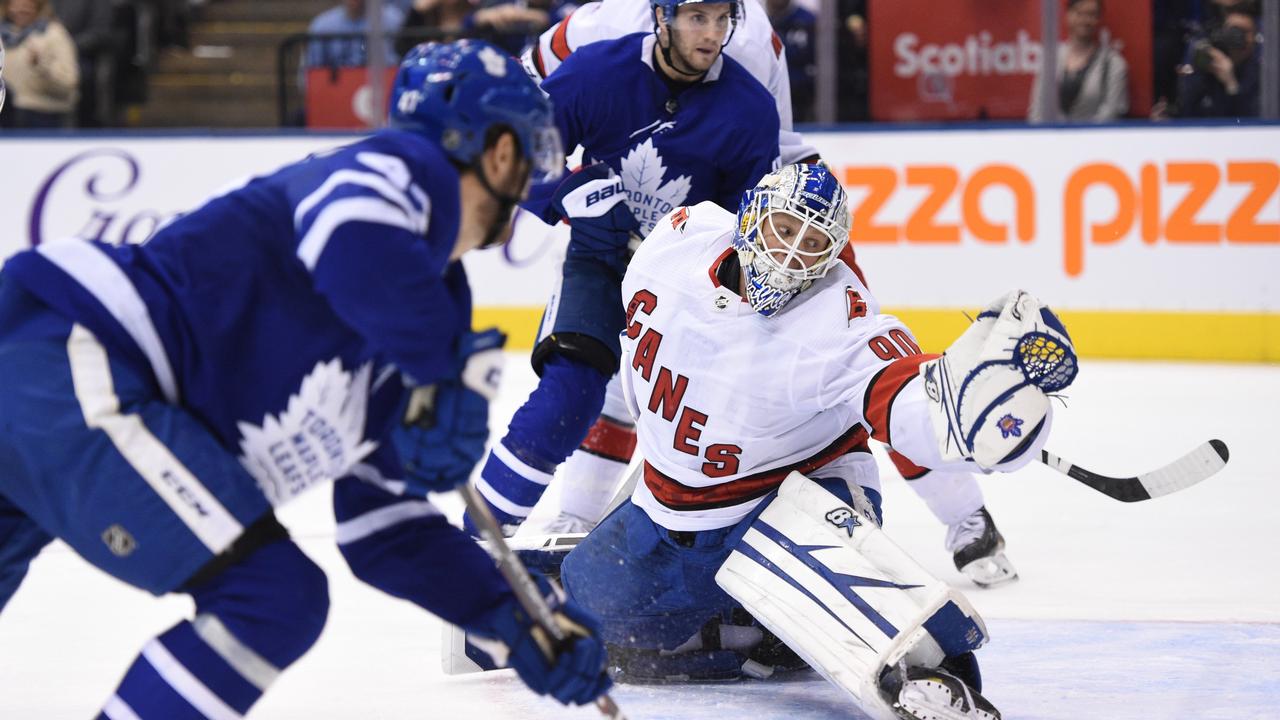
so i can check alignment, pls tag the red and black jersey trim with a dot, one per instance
(908, 469)
(715, 267)
(610, 440)
(537, 62)
(677, 496)
(560, 40)
(884, 388)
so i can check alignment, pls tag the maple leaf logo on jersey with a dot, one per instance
(647, 195)
(319, 436)
(857, 306)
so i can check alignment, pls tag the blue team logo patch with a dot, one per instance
(1010, 426)
(843, 517)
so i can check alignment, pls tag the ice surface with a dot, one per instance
(1163, 609)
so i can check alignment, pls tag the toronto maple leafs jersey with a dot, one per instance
(279, 313)
(728, 401)
(754, 45)
(713, 141)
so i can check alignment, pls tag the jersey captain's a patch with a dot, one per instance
(679, 218)
(856, 305)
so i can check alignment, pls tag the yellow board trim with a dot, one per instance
(1237, 337)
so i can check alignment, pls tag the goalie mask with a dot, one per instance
(791, 229)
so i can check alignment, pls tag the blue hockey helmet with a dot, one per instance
(788, 258)
(736, 12)
(455, 92)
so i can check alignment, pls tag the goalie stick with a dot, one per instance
(522, 585)
(1197, 465)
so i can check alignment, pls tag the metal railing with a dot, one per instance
(338, 50)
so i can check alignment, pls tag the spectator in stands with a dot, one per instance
(40, 66)
(90, 24)
(445, 20)
(851, 49)
(346, 19)
(509, 24)
(795, 26)
(1093, 78)
(1222, 75)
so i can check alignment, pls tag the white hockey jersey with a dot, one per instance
(754, 45)
(728, 402)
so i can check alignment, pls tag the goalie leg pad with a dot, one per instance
(827, 581)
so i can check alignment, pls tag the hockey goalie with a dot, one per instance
(757, 367)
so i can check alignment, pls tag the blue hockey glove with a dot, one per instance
(572, 671)
(594, 203)
(445, 426)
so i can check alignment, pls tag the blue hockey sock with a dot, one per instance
(252, 620)
(542, 433)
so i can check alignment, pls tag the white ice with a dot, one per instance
(1163, 609)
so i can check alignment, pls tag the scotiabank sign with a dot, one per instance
(966, 59)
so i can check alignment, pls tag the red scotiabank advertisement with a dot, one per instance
(971, 59)
(340, 99)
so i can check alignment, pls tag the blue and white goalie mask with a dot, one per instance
(792, 227)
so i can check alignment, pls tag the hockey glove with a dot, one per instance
(572, 671)
(987, 394)
(594, 204)
(445, 425)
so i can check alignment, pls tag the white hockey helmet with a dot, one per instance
(778, 267)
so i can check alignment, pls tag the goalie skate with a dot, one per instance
(935, 694)
(979, 550)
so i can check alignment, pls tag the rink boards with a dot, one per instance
(1154, 242)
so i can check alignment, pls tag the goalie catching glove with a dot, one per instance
(571, 670)
(445, 426)
(988, 394)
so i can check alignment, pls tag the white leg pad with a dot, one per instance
(841, 594)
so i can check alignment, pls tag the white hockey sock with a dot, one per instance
(588, 485)
(951, 496)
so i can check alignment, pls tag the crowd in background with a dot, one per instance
(74, 62)
(70, 62)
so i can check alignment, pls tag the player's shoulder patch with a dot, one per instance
(680, 218)
(855, 306)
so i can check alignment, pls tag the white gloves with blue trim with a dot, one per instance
(988, 394)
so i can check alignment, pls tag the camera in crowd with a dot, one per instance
(1229, 39)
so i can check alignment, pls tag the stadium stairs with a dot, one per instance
(228, 77)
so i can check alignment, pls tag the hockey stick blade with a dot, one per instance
(526, 591)
(1197, 465)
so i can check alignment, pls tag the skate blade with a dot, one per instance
(991, 571)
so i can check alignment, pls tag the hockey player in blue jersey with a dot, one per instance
(591, 474)
(157, 402)
(694, 126)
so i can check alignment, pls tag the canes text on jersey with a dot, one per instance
(668, 388)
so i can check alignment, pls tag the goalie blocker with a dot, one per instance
(825, 578)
